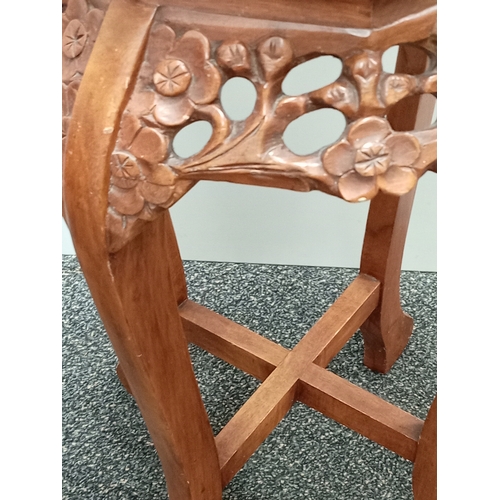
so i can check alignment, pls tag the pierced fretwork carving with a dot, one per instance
(179, 82)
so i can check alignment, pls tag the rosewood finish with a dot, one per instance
(135, 72)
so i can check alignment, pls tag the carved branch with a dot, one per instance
(179, 82)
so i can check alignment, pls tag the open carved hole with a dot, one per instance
(311, 132)
(312, 75)
(430, 103)
(390, 56)
(192, 138)
(426, 115)
(434, 114)
(238, 97)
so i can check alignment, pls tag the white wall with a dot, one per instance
(219, 221)
(228, 222)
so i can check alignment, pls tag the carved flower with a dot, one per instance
(124, 171)
(373, 157)
(182, 74)
(133, 187)
(80, 26)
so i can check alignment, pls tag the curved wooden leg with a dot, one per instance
(136, 290)
(387, 330)
(123, 379)
(425, 468)
(176, 270)
(155, 363)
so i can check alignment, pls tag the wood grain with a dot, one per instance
(156, 365)
(425, 468)
(193, 49)
(134, 74)
(361, 411)
(387, 331)
(229, 341)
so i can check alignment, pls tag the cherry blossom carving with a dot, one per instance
(124, 170)
(80, 25)
(81, 21)
(171, 77)
(373, 157)
(179, 82)
(74, 38)
(136, 171)
(183, 76)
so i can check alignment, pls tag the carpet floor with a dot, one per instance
(108, 453)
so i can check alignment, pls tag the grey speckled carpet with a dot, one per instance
(107, 451)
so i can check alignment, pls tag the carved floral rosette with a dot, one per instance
(81, 21)
(180, 81)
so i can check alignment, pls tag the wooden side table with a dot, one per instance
(135, 73)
